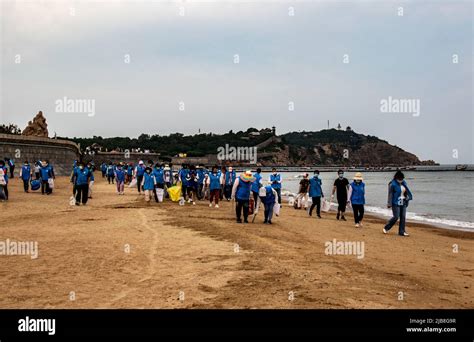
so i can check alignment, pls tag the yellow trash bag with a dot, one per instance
(175, 192)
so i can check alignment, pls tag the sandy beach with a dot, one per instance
(119, 252)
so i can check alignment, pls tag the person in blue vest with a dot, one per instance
(182, 176)
(201, 171)
(120, 178)
(45, 175)
(81, 181)
(11, 165)
(139, 174)
(275, 180)
(5, 177)
(315, 192)
(192, 181)
(129, 173)
(103, 169)
(256, 185)
(110, 173)
(214, 183)
(399, 195)
(158, 172)
(269, 197)
(230, 177)
(51, 166)
(223, 171)
(148, 183)
(25, 175)
(241, 194)
(91, 168)
(357, 198)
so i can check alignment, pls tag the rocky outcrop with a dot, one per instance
(38, 127)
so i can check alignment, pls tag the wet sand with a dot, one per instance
(119, 252)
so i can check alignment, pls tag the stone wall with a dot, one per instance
(60, 153)
(114, 157)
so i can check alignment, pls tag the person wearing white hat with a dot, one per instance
(139, 173)
(357, 198)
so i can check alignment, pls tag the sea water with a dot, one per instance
(441, 198)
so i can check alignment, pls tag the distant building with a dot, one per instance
(273, 130)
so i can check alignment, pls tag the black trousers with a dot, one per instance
(82, 193)
(26, 185)
(242, 205)
(358, 210)
(317, 204)
(139, 183)
(5, 191)
(110, 178)
(45, 187)
(341, 203)
(255, 198)
(12, 170)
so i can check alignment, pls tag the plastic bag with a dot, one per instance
(325, 205)
(51, 183)
(159, 193)
(175, 193)
(35, 184)
(133, 183)
(276, 209)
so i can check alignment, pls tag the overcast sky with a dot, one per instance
(77, 49)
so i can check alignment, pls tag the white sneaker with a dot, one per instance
(210, 205)
(357, 225)
(217, 206)
(406, 234)
(360, 224)
(189, 200)
(194, 203)
(385, 231)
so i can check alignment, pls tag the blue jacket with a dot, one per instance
(46, 173)
(214, 181)
(256, 184)
(243, 190)
(148, 181)
(191, 179)
(275, 178)
(358, 193)
(395, 192)
(25, 172)
(315, 187)
(103, 168)
(82, 176)
(120, 175)
(270, 196)
(158, 173)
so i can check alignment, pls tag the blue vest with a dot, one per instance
(149, 181)
(82, 176)
(358, 193)
(397, 193)
(45, 173)
(103, 167)
(200, 174)
(130, 170)
(230, 177)
(215, 182)
(256, 183)
(140, 170)
(110, 170)
(158, 173)
(270, 196)
(25, 172)
(120, 175)
(183, 173)
(5, 175)
(243, 190)
(274, 178)
(315, 189)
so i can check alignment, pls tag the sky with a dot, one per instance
(300, 64)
